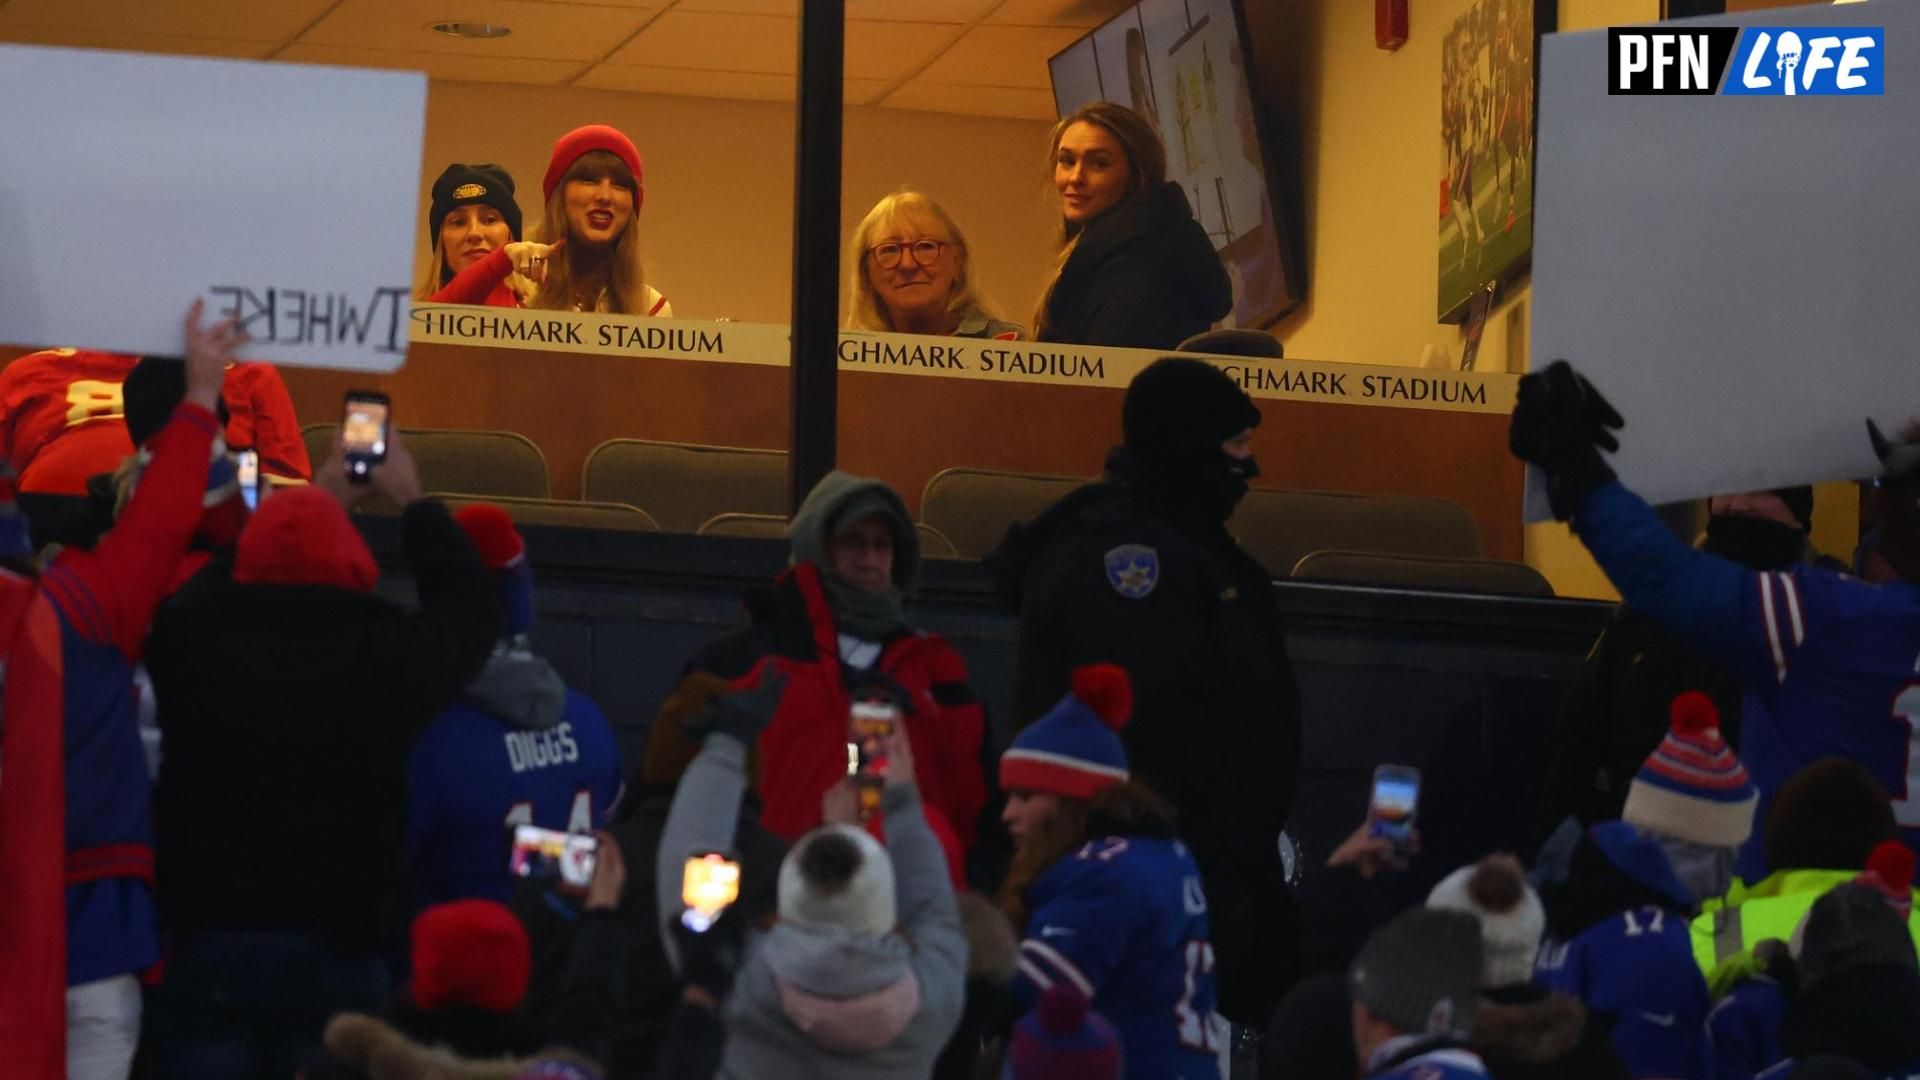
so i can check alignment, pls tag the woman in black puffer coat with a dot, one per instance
(1135, 268)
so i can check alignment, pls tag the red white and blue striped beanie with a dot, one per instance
(1693, 787)
(1074, 750)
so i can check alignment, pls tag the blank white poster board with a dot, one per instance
(1739, 275)
(132, 183)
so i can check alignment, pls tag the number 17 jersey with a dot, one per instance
(1124, 921)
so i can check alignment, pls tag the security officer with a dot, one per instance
(1138, 569)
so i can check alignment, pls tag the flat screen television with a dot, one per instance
(1183, 65)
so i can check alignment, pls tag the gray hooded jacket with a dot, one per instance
(813, 1002)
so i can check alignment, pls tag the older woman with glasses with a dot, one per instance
(909, 273)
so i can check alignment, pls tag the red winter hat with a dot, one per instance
(570, 147)
(302, 536)
(470, 952)
(1890, 870)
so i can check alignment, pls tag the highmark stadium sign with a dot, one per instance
(587, 334)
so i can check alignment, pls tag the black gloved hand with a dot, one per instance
(710, 959)
(1561, 423)
(743, 714)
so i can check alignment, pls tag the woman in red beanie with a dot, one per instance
(587, 257)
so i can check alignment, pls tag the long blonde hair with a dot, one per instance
(626, 280)
(435, 278)
(1146, 162)
(911, 208)
(432, 280)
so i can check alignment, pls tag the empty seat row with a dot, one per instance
(641, 485)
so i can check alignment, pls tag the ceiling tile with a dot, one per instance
(541, 31)
(437, 65)
(894, 50)
(232, 20)
(1012, 102)
(684, 82)
(1082, 13)
(1001, 56)
(711, 41)
(746, 85)
(148, 43)
(789, 8)
(944, 11)
(864, 91)
(939, 11)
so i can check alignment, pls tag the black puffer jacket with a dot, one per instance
(1144, 276)
(1867, 1014)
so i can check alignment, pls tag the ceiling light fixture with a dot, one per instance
(471, 29)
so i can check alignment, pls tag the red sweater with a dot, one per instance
(484, 282)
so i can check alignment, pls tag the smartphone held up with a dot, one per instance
(709, 885)
(364, 433)
(547, 854)
(871, 721)
(1393, 805)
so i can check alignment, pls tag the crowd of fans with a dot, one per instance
(258, 819)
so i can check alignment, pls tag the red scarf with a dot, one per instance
(33, 928)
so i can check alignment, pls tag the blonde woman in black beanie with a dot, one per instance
(473, 215)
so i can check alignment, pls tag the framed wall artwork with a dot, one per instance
(1487, 123)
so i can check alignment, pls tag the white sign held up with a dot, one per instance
(284, 194)
(1736, 274)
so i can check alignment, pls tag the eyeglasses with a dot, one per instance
(887, 256)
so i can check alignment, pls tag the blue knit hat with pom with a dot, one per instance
(1075, 750)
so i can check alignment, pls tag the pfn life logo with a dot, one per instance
(1786, 61)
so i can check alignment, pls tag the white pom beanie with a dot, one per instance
(862, 903)
(1495, 891)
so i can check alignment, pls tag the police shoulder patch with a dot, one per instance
(1133, 570)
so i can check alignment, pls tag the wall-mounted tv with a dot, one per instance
(1184, 65)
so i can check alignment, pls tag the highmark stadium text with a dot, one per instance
(1749, 61)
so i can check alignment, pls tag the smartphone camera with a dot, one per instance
(547, 854)
(246, 468)
(1394, 803)
(364, 433)
(871, 721)
(708, 886)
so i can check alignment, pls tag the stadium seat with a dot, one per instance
(1423, 572)
(562, 512)
(1280, 528)
(933, 543)
(973, 507)
(683, 485)
(486, 463)
(1256, 343)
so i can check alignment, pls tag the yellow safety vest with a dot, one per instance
(1728, 928)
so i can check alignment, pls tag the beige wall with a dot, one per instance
(718, 216)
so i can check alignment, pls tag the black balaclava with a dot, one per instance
(1760, 543)
(1177, 413)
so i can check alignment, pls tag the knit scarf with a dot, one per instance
(863, 613)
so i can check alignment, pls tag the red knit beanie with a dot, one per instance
(570, 147)
(302, 536)
(470, 952)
